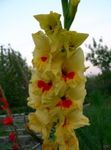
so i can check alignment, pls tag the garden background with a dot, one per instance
(15, 70)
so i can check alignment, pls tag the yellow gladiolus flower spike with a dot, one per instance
(57, 86)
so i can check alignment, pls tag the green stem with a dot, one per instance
(65, 10)
(17, 138)
(64, 7)
(69, 12)
(10, 114)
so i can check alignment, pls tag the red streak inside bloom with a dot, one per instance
(12, 136)
(43, 58)
(67, 76)
(64, 103)
(7, 121)
(44, 86)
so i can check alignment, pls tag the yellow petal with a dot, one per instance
(43, 116)
(75, 39)
(49, 146)
(49, 22)
(42, 66)
(66, 140)
(76, 93)
(34, 123)
(75, 62)
(39, 122)
(41, 41)
(76, 120)
(34, 101)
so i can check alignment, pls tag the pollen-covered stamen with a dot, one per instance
(64, 102)
(43, 58)
(44, 86)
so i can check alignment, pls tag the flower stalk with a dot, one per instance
(9, 121)
(69, 11)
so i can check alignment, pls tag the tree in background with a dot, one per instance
(100, 55)
(14, 76)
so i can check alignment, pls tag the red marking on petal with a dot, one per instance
(41, 83)
(64, 77)
(44, 86)
(70, 75)
(47, 86)
(67, 76)
(7, 121)
(43, 58)
(64, 103)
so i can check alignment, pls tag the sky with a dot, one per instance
(17, 22)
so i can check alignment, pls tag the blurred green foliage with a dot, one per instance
(97, 136)
(14, 76)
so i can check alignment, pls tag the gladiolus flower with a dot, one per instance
(12, 137)
(7, 121)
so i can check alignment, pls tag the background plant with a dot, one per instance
(14, 76)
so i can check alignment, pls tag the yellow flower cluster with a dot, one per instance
(57, 86)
